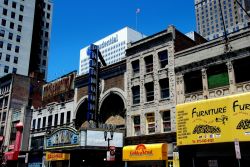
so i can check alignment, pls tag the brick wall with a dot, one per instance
(115, 82)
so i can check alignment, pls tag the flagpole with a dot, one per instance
(136, 21)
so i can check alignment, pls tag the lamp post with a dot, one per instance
(106, 136)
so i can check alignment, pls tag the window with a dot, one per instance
(39, 123)
(14, 70)
(44, 122)
(13, 4)
(6, 69)
(20, 18)
(56, 120)
(34, 124)
(19, 28)
(193, 81)
(217, 76)
(3, 22)
(163, 58)
(2, 130)
(47, 25)
(0, 59)
(46, 34)
(62, 119)
(44, 62)
(240, 67)
(15, 60)
(17, 49)
(49, 7)
(1, 44)
(166, 121)
(11, 25)
(68, 117)
(45, 43)
(6, 2)
(149, 91)
(4, 12)
(48, 15)
(13, 15)
(136, 67)
(136, 94)
(7, 58)
(137, 125)
(18, 38)
(10, 36)
(4, 116)
(164, 86)
(2, 32)
(150, 122)
(50, 121)
(9, 46)
(45, 53)
(149, 63)
(21, 8)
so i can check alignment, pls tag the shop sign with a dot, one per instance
(214, 120)
(57, 156)
(62, 137)
(144, 152)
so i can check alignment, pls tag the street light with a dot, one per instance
(106, 136)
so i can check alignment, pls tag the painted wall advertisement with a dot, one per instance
(214, 120)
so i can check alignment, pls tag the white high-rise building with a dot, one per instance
(111, 47)
(25, 27)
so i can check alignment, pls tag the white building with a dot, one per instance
(22, 22)
(112, 47)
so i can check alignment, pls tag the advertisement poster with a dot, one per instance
(214, 120)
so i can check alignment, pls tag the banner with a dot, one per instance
(214, 120)
(57, 156)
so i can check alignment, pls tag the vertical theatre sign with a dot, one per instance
(214, 120)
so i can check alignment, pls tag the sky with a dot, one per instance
(78, 23)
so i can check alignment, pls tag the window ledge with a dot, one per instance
(135, 105)
(149, 102)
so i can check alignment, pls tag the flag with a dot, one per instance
(138, 10)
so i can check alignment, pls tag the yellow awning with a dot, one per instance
(144, 152)
(57, 156)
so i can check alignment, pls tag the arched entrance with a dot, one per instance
(81, 114)
(112, 110)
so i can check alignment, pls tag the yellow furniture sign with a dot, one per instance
(214, 120)
(57, 156)
(144, 152)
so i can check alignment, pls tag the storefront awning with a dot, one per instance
(145, 152)
(57, 156)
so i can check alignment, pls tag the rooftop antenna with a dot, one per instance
(138, 10)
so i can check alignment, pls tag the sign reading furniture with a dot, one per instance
(214, 120)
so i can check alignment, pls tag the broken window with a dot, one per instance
(193, 81)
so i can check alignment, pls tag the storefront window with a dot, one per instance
(151, 122)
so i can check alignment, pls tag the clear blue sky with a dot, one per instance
(77, 23)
